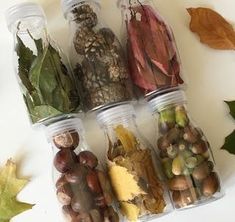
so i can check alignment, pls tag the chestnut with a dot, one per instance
(87, 158)
(76, 174)
(64, 160)
(96, 216)
(82, 217)
(200, 147)
(82, 201)
(69, 139)
(64, 194)
(111, 215)
(61, 182)
(93, 182)
(191, 134)
(69, 213)
(100, 201)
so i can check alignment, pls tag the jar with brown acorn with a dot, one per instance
(185, 153)
(82, 186)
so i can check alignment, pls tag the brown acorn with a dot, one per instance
(180, 183)
(191, 134)
(184, 198)
(210, 185)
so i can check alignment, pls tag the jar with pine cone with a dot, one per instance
(103, 73)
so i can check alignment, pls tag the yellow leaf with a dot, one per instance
(124, 183)
(10, 186)
(212, 28)
(131, 211)
(127, 139)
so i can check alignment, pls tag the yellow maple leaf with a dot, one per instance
(10, 186)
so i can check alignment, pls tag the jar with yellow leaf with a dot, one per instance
(132, 166)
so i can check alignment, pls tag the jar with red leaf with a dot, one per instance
(82, 186)
(152, 53)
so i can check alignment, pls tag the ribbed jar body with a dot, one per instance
(46, 82)
(151, 48)
(103, 72)
(185, 153)
(82, 186)
(132, 166)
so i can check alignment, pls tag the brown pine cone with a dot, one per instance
(85, 16)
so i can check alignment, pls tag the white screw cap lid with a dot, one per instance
(23, 10)
(67, 5)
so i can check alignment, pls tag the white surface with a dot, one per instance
(211, 79)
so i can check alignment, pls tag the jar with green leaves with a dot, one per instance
(185, 153)
(47, 84)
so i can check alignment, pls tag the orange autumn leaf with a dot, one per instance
(212, 28)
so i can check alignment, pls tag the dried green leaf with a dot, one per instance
(43, 112)
(25, 60)
(10, 186)
(229, 144)
(231, 105)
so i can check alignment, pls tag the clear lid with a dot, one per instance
(21, 11)
(116, 114)
(64, 125)
(163, 100)
(68, 5)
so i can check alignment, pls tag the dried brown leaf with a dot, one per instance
(212, 28)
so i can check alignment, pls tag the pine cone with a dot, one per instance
(85, 16)
(112, 93)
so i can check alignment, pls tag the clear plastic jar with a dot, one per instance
(47, 85)
(83, 188)
(152, 53)
(186, 154)
(103, 72)
(132, 166)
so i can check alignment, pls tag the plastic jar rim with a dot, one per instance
(68, 5)
(23, 10)
(115, 114)
(56, 128)
(162, 101)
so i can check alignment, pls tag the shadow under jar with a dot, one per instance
(103, 73)
(82, 187)
(185, 153)
(132, 166)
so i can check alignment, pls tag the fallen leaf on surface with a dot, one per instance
(212, 28)
(231, 105)
(10, 186)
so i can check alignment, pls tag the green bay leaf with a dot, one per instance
(25, 60)
(231, 105)
(43, 112)
(229, 144)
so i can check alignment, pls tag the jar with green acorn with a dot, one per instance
(185, 153)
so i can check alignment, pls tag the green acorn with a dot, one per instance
(181, 117)
(166, 120)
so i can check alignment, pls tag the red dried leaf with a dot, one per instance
(153, 58)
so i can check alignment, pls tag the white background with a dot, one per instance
(211, 79)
